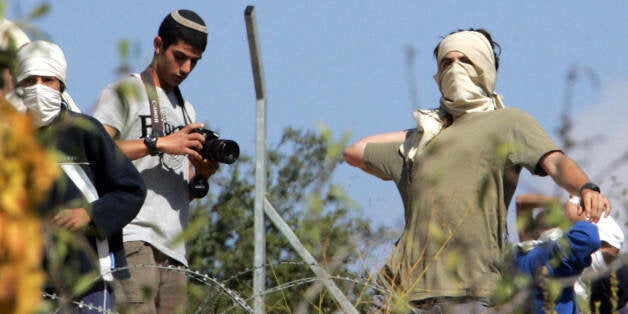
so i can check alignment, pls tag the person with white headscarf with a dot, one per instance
(97, 193)
(11, 38)
(11, 35)
(558, 252)
(456, 172)
(48, 62)
(604, 262)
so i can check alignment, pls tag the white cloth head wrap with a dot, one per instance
(477, 48)
(11, 36)
(41, 58)
(610, 232)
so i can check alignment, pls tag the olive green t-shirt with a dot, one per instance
(456, 195)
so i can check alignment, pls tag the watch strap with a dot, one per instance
(151, 142)
(589, 186)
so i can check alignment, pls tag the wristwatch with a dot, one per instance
(151, 142)
(589, 186)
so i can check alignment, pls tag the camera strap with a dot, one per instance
(155, 108)
(153, 102)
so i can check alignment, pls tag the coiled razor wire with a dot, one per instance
(80, 304)
(196, 275)
(238, 301)
(206, 279)
(367, 283)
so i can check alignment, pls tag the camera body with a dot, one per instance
(216, 149)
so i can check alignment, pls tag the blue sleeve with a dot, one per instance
(566, 257)
(583, 239)
(530, 263)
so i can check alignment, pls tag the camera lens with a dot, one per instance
(225, 151)
(215, 149)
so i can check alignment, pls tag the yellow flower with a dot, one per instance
(26, 173)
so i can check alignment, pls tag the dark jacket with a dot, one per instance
(602, 291)
(82, 141)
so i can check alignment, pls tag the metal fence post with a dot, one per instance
(259, 275)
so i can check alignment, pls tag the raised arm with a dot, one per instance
(568, 175)
(354, 154)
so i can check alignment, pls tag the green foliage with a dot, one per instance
(300, 171)
(39, 11)
(123, 50)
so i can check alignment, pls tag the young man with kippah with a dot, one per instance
(457, 171)
(153, 124)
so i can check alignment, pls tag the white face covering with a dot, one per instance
(597, 261)
(461, 91)
(42, 102)
(464, 88)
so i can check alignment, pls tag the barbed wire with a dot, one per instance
(79, 304)
(234, 296)
(239, 302)
(203, 278)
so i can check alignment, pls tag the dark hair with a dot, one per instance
(497, 49)
(5, 60)
(172, 31)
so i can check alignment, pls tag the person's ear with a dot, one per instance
(158, 44)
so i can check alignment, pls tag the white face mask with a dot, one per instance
(460, 91)
(597, 261)
(42, 102)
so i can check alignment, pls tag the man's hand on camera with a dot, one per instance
(183, 142)
(204, 167)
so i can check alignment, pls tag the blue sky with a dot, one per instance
(344, 64)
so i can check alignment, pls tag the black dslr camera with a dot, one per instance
(214, 149)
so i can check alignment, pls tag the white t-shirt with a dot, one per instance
(165, 212)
